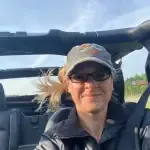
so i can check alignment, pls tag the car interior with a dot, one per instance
(21, 126)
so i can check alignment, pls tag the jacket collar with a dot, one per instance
(70, 127)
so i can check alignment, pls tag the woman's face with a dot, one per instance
(91, 95)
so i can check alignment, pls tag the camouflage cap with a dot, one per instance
(88, 52)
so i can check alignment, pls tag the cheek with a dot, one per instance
(75, 90)
(108, 88)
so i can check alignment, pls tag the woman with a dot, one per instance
(92, 124)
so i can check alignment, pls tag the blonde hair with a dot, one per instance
(51, 90)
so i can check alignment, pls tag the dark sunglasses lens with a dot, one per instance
(101, 76)
(78, 77)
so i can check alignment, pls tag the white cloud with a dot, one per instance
(85, 14)
(131, 19)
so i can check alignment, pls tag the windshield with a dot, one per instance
(77, 15)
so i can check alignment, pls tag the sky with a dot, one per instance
(69, 15)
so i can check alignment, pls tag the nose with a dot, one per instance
(90, 83)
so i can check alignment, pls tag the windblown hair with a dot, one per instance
(51, 90)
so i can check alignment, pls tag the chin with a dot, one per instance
(94, 105)
(94, 109)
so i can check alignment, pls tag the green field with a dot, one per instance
(148, 105)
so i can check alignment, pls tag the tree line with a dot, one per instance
(131, 89)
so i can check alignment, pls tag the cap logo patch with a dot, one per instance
(86, 48)
(83, 46)
(94, 51)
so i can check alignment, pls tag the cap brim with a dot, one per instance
(86, 59)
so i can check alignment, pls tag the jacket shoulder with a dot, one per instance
(129, 107)
(47, 143)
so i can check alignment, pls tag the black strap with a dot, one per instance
(129, 136)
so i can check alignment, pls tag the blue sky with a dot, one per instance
(70, 15)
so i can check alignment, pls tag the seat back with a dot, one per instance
(32, 128)
(66, 101)
(9, 125)
(2, 97)
(9, 129)
(27, 147)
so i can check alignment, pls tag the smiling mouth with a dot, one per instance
(92, 95)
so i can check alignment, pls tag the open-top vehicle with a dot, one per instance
(21, 125)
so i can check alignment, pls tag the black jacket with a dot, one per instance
(68, 135)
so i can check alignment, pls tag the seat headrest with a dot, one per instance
(57, 117)
(2, 97)
(66, 101)
(119, 86)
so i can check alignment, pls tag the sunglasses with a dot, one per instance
(83, 77)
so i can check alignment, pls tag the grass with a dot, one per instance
(148, 105)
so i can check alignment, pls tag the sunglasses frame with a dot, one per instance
(87, 76)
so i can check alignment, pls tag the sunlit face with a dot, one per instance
(91, 95)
